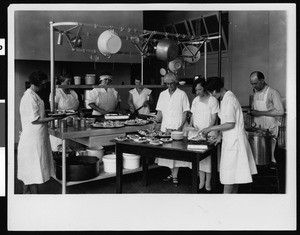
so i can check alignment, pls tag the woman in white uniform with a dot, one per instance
(104, 100)
(172, 107)
(237, 164)
(204, 114)
(65, 99)
(35, 161)
(139, 99)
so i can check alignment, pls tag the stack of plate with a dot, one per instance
(177, 135)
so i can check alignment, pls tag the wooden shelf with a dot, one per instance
(115, 86)
(104, 175)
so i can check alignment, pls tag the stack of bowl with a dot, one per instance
(177, 135)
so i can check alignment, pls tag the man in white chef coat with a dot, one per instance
(104, 100)
(267, 107)
(172, 107)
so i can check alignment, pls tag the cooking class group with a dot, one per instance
(95, 128)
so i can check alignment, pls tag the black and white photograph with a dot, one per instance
(151, 117)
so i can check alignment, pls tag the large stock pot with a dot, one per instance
(166, 50)
(260, 142)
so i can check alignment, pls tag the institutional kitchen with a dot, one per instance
(150, 101)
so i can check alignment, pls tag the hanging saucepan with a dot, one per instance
(175, 65)
(191, 54)
(109, 42)
(77, 42)
(166, 50)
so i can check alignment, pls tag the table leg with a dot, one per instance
(64, 178)
(145, 170)
(195, 173)
(214, 169)
(119, 169)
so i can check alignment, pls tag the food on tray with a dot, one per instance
(133, 137)
(155, 142)
(164, 134)
(121, 138)
(108, 124)
(166, 139)
(141, 140)
(137, 121)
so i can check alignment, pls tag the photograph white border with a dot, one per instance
(152, 211)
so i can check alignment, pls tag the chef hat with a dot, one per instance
(102, 77)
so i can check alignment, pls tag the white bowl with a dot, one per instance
(109, 163)
(96, 151)
(182, 82)
(177, 135)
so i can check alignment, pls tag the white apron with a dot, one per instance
(69, 101)
(237, 163)
(107, 101)
(35, 160)
(139, 99)
(266, 122)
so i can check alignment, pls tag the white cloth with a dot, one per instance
(105, 99)
(237, 163)
(265, 122)
(35, 160)
(203, 111)
(172, 108)
(66, 101)
(140, 98)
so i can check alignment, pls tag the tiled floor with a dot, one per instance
(264, 182)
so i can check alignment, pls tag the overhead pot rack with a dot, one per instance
(142, 39)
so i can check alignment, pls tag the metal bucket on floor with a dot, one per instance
(260, 142)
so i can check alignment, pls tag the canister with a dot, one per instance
(77, 80)
(63, 125)
(82, 122)
(76, 122)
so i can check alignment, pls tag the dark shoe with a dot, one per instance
(168, 178)
(175, 182)
(201, 190)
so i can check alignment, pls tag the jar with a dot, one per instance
(90, 79)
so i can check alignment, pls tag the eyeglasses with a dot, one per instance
(169, 83)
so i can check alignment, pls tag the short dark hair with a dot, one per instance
(61, 78)
(214, 83)
(106, 73)
(201, 81)
(259, 75)
(37, 77)
(136, 77)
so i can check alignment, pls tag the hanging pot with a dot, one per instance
(174, 65)
(166, 50)
(190, 54)
(109, 42)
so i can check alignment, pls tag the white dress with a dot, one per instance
(65, 102)
(237, 164)
(202, 115)
(140, 98)
(35, 160)
(172, 108)
(105, 99)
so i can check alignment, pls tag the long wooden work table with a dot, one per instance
(177, 150)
